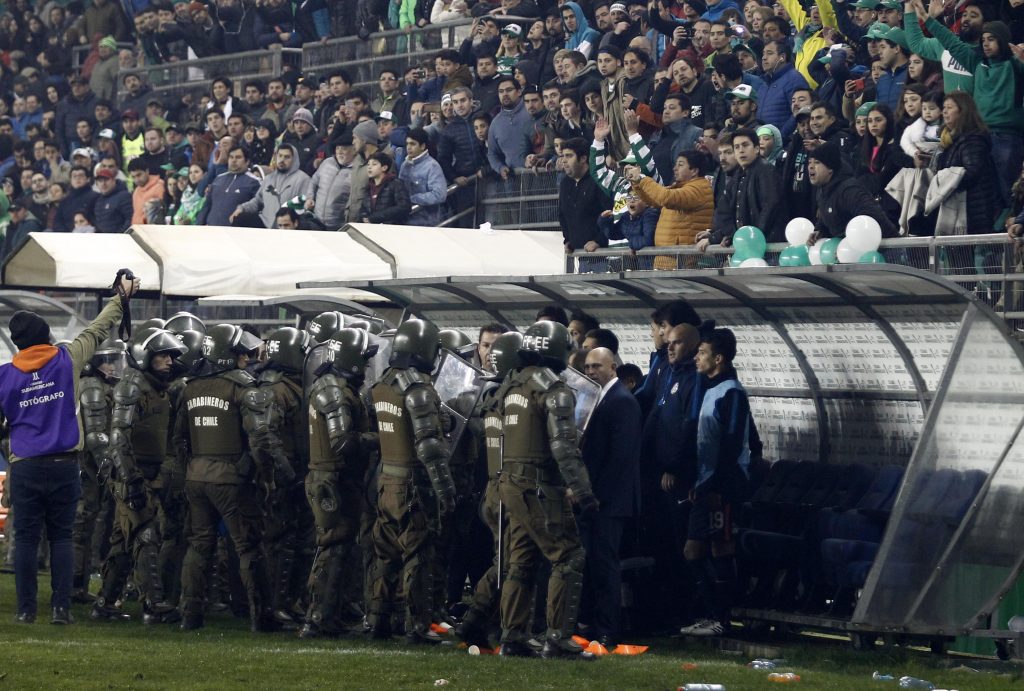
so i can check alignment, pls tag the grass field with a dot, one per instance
(91, 655)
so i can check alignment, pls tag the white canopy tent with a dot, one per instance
(419, 252)
(212, 260)
(78, 261)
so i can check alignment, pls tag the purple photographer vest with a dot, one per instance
(41, 407)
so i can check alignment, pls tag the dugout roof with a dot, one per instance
(871, 364)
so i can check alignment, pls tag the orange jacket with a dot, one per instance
(154, 189)
(686, 209)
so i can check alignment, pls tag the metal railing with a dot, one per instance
(990, 266)
(528, 200)
(172, 80)
(394, 49)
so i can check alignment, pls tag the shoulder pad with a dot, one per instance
(239, 376)
(543, 379)
(128, 391)
(270, 376)
(419, 397)
(92, 395)
(258, 398)
(405, 379)
(327, 396)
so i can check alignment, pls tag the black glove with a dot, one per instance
(284, 474)
(136, 499)
(588, 503)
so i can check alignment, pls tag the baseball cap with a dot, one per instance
(876, 32)
(867, 4)
(513, 30)
(386, 115)
(107, 133)
(743, 92)
(804, 112)
(865, 108)
(174, 126)
(83, 151)
(130, 114)
(891, 4)
(106, 173)
(898, 36)
(183, 172)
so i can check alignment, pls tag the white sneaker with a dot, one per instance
(704, 628)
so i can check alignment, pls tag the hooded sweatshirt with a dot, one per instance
(584, 39)
(998, 81)
(277, 188)
(39, 391)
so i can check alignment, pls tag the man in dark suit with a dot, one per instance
(611, 452)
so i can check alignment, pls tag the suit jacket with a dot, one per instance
(611, 452)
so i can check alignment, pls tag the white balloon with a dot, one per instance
(814, 252)
(864, 233)
(798, 230)
(847, 253)
(753, 262)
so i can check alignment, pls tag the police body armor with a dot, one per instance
(525, 420)
(96, 398)
(330, 396)
(490, 411)
(215, 423)
(397, 443)
(142, 412)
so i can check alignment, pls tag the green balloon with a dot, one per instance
(735, 260)
(750, 241)
(871, 258)
(828, 251)
(795, 256)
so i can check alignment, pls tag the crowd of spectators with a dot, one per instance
(665, 122)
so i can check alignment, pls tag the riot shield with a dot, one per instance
(379, 362)
(458, 385)
(587, 393)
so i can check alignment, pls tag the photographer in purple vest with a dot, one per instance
(38, 396)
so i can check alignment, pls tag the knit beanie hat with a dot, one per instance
(829, 154)
(1001, 32)
(367, 131)
(28, 329)
(108, 42)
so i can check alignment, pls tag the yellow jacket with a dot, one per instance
(805, 49)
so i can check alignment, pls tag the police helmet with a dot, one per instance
(325, 325)
(185, 321)
(547, 343)
(109, 360)
(504, 355)
(352, 350)
(223, 344)
(376, 324)
(454, 340)
(154, 323)
(287, 347)
(193, 359)
(416, 344)
(156, 342)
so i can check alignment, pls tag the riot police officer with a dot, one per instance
(541, 461)
(189, 330)
(415, 489)
(96, 398)
(216, 413)
(340, 439)
(324, 325)
(138, 445)
(282, 445)
(504, 356)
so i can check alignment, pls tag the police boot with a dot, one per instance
(81, 596)
(261, 616)
(472, 630)
(283, 588)
(422, 635)
(104, 611)
(565, 648)
(192, 622)
(154, 607)
(516, 649)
